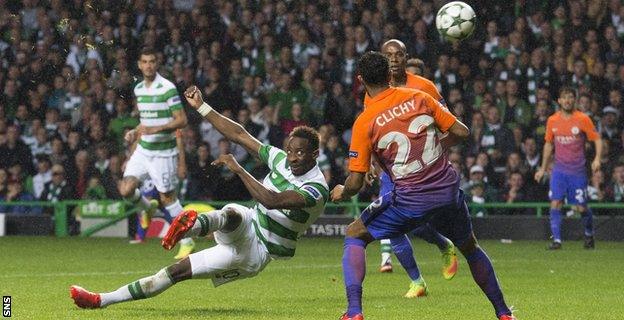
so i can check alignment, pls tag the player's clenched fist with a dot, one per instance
(194, 96)
(337, 193)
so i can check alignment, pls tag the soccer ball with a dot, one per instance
(455, 21)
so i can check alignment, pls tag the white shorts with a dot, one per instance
(238, 254)
(162, 170)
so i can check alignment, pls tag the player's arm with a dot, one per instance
(351, 187)
(289, 199)
(455, 131)
(132, 138)
(179, 121)
(547, 151)
(177, 112)
(546, 155)
(228, 128)
(359, 162)
(181, 155)
(596, 163)
(592, 135)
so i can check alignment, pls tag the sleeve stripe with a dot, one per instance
(263, 153)
(320, 188)
(176, 107)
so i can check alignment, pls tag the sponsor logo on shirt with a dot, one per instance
(353, 154)
(149, 114)
(566, 139)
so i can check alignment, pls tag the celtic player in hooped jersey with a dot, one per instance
(289, 199)
(156, 155)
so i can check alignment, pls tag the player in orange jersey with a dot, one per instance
(566, 132)
(400, 128)
(397, 56)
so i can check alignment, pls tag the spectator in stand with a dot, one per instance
(515, 191)
(495, 135)
(14, 151)
(82, 171)
(609, 128)
(44, 175)
(15, 192)
(295, 119)
(596, 187)
(202, 174)
(615, 190)
(4, 177)
(286, 96)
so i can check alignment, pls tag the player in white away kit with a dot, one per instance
(156, 155)
(289, 199)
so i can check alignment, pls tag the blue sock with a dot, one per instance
(140, 232)
(402, 248)
(354, 270)
(587, 218)
(555, 224)
(483, 274)
(166, 215)
(427, 233)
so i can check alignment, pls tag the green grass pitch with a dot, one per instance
(569, 284)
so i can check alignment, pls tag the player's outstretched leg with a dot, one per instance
(402, 248)
(484, 275)
(386, 256)
(354, 266)
(555, 228)
(354, 269)
(446, 247)
(141, 289)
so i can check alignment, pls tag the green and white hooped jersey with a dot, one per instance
(280, 229)
(156, 105)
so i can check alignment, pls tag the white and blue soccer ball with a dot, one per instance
(455, 21)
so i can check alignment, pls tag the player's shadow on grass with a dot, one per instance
(184, 313)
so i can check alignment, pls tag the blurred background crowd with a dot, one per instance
(67, 70)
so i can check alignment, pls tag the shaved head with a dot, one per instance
(395, 43)
(397, 56)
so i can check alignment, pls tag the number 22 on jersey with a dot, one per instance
(404, 164)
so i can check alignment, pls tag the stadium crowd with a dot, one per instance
(68, 68)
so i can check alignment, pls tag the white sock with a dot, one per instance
(207, 223)
(174, 208)
(144, 288)
(386, 251)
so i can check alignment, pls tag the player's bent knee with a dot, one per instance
(167, 198)
(556, 204)
(579, 208)
(127, 187)
(358, 230)
(181, 270)
(233, 220)
(469, 246)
